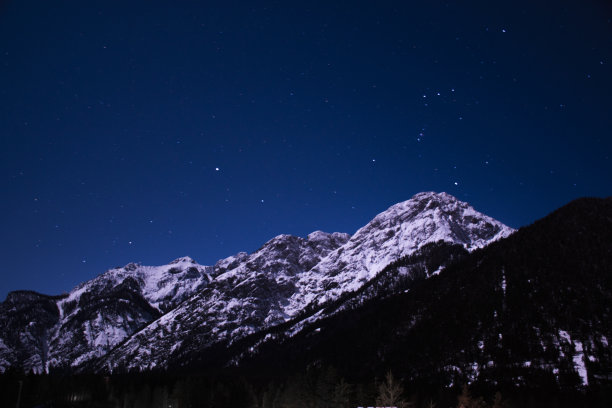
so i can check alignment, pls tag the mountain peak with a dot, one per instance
(396, 232)
(317, 235)
(320, 236)
(430, 216)
(183, 259)
(427, 200)
(429, 195)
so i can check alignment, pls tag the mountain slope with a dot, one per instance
(249, 292)
(26, 320)
(399, 231)
(531, 310)
(94, 317)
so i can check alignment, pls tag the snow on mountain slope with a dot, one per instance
(249, 292)
(399, 231)
(162, 286)
(100, 313)
(276, 283)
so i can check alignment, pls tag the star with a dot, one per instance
(216, 169)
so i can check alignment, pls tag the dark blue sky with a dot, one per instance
(115, 117)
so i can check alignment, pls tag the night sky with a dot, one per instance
(145, 130)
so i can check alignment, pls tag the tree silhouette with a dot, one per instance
(390, 393)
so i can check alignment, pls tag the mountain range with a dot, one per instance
(136, 316)
(430, 287)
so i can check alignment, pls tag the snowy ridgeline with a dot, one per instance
(135, 315)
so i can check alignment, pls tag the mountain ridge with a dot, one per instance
(117, 317)
(230, 308)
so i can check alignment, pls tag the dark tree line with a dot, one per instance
(316, 387)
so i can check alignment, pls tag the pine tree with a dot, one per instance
(390, 393)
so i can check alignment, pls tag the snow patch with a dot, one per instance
(579, 363)
(578, 357)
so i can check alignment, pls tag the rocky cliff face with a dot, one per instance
(26, 322)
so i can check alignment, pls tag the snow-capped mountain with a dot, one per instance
(95, 316)
(139, 317)
(289, 274)
(399, 231)
(531, 311)
(249, 293)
